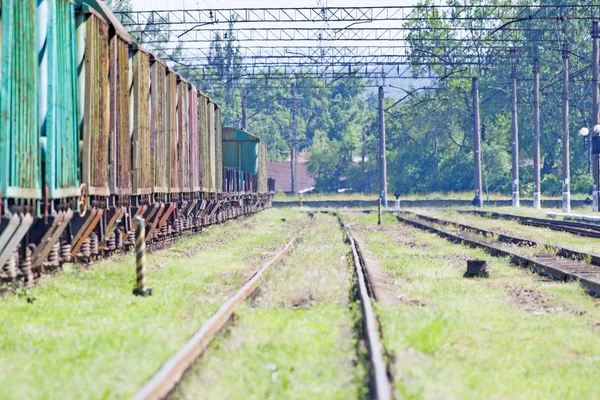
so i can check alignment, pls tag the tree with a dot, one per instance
(119, 5)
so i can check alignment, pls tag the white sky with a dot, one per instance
(143, 5)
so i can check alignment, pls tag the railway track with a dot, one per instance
(576, 228)
(380, 382)
(168, 376)
(557, 262)
(165, 381)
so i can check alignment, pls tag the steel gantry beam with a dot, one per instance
(281, 34)
(503, 13)
(348, 57)
(314, 52)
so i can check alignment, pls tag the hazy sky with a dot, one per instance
(182, 4)
(141, 5)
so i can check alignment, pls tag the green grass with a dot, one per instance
(295, 340)
(541, 235)
(86, 336)
(513, 335)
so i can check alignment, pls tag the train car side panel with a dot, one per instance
(203, 142)
(212, 149)
(194, 160)
(218, 150)
(58, 98)
(159, 138)
(172, 137)
(120, 148)
(262, 169)
(142, 156)
(20, 177)
(183, 135)
(94, 102)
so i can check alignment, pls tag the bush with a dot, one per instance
(551, 185)
(583, 184)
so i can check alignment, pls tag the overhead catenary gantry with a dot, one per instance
(342, 34)
(590, 11)
(383, 44)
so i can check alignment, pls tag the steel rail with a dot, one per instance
(380, 382)
(544, 268)
(561, 251)
(171, 372)
(577, 228)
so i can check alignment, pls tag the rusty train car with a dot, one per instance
(95, 131)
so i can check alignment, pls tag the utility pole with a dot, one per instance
(595, 110)
(294, 138)
(362, 158)
(435, 159)
(515, 141)
(477, 144)
(244, 113)
(566, 191)
(382, 161)
(536, 134)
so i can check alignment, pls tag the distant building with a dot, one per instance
(281, 172)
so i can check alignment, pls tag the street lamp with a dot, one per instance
(585, 131)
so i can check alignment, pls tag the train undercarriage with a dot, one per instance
(30, 247)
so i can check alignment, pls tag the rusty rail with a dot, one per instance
(560, 251)
(576, 228)
(167, 377)
(380, 384)
(541, 267)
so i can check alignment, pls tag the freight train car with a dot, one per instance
(244, 164)
(95, 131)
(241, 155)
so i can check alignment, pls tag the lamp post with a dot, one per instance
(584, 132)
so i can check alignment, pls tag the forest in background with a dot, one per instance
(430, 131)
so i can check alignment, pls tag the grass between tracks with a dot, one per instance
(85, 336)
(513, 228)
(513, 335)
(295, 339)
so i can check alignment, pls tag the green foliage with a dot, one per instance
(324, 163)
(119, 5)
(583, 184)
(551, 185)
